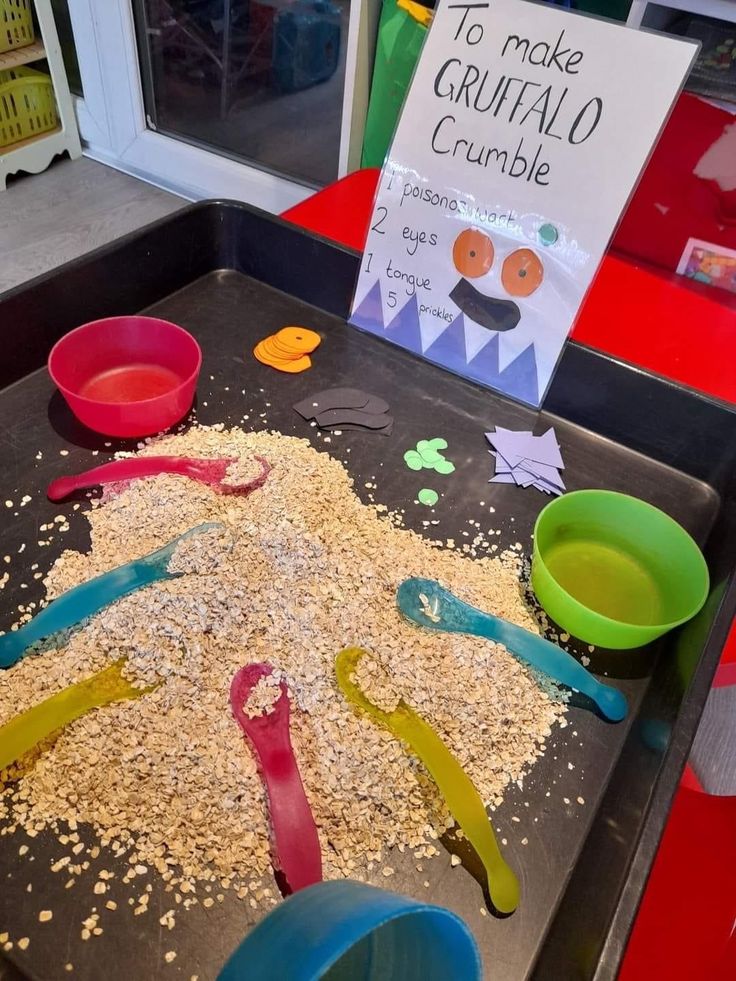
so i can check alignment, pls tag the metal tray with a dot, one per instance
(231, 275)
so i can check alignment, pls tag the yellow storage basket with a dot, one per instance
(16, 24)
(27, 105)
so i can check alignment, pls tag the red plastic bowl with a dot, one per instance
(127, 376)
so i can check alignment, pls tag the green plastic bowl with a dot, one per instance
(615, 571)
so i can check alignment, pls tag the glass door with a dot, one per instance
(257, 100)
(66, 41)
(258, 80)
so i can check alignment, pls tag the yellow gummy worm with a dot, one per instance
(30, 727)
(462, 799)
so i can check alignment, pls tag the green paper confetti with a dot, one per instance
(428, 496)
(427, 456)
(548, 234)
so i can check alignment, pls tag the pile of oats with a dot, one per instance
(263, 696)
(201, 553)
(168, 778)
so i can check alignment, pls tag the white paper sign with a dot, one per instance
(521, 139)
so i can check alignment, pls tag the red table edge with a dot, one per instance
(690, 331)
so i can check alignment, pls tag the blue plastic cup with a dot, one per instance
(347, 931)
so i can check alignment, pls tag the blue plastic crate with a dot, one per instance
(306, 45)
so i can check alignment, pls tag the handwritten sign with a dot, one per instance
(521, 138)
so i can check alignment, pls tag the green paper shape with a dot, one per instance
(429, 457)
(428, 496)
(548, 234)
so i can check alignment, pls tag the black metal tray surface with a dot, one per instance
(232, 275)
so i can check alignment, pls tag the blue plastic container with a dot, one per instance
(306, 45)
(347, 931)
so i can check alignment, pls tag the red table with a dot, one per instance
(660, 321)
(687, 332)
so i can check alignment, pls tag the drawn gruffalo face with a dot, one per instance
(521, 274)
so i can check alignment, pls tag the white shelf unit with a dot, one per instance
(22, 56)
(35, 154)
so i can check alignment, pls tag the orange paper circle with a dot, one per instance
(522, 272)
(293, 367)
(472, 253)
(298, 338)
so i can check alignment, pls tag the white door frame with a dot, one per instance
(113, 126)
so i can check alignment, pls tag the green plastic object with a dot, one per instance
(28, 729)
(462, 799)
(615, 571)
(400, 39)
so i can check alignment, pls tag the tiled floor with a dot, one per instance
(73, 207)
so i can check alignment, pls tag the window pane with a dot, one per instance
(260, 80)
(66, 40)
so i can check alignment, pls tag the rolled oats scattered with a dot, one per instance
(263, 696)
(243, 470)
(201, 553)
(308, 570)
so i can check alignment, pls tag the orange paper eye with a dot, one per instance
(522, 273)
(472, 253)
